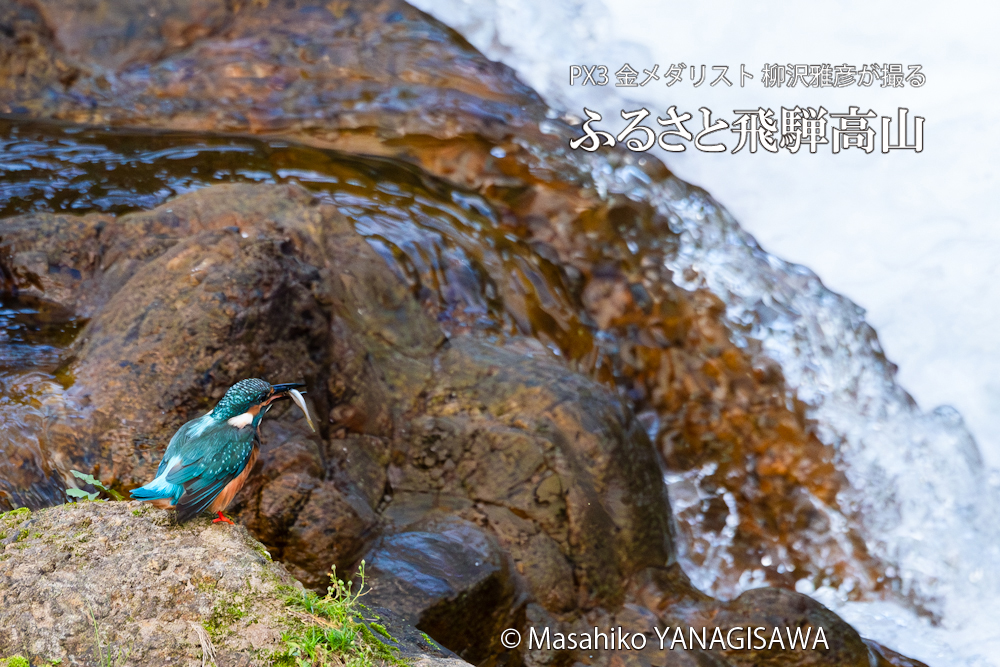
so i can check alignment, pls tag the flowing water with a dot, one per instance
(33, 333)
(917, 494)
(919, 490)
(917, 481)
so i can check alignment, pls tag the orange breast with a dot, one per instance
(227, 494)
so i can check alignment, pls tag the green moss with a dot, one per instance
(21, 513)
(379, 628)
(11, 520)
(224, 614)
(430, 642)
(379, 650)
(14, 661)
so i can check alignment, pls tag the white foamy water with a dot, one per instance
(908, 236)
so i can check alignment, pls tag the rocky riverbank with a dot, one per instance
(522, 491)
(502, 363)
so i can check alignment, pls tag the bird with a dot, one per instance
(209, 458)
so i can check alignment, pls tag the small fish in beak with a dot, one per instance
(290, 390)
(299, 401)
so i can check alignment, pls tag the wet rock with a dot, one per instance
(257, 66)
(549, 460)
(206, 311)
(82, 261)
(788, 612)
(450, 579)
(769, 626)
(332, 528)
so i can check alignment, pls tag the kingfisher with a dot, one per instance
(209, 458)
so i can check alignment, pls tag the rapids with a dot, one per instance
(919, 492)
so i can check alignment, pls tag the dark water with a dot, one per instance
(33, 335)
(447, 243)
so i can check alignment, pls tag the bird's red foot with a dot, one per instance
(223, 519)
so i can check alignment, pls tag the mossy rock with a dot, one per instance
(143, 587)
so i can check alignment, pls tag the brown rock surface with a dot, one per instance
(499, 438)
(93, 583)
(785, 613)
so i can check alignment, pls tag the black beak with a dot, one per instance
(282, 388)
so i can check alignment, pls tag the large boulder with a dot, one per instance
(119, 583)
(232, 283)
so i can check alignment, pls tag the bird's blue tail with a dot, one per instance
(158, 491)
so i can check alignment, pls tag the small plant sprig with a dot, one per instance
(90, 479)
(332, 632)
(104, 655)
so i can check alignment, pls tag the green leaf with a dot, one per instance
(80, 493)
(89, 479)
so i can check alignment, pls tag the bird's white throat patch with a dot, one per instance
(239, 421)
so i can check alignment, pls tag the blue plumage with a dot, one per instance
(209, 458)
